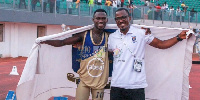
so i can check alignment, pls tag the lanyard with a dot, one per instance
(128, 48)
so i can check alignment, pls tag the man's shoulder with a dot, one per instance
(137, 29)
(114, 34)
(81, 34)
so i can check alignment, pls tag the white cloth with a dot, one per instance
(128, 48)
(44, 74)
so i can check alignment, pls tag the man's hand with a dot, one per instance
(77, 45)
(183, 34)
(148, 31)
(43, 42)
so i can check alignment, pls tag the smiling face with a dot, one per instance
(100, 20)
(123, 20)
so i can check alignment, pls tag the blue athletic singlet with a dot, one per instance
(94, 63)
(76, 55)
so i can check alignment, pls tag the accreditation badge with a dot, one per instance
(137, 65)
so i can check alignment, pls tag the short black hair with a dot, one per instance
(120, 9)
(99, 10)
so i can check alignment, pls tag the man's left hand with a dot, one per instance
(183, 34)
(148, 31)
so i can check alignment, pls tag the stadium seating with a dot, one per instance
(175, 3)
(2, 1)
(8, 1)
(190, 3)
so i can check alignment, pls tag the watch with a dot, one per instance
(178, 38)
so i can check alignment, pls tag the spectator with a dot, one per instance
(163, 9)
(108, 3)
(146, 3)
(77, 3)
(33, 3)
(178, 13)
(99, 2)
(70, 6)
(52, 3)
(171, 12)
(192, 13)
(131, 6)
(183, 6)
(150, 13)
(183, 13)
(44, 5)
(114, 4)
(22, 1)
(118, 3)
(122, 3)
(57, 5)
(158, 12)
(166, 6)
(157, 2)
(95, 1)
(69, 3)
(91, 2)
(130, 2)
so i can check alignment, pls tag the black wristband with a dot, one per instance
(178, 38)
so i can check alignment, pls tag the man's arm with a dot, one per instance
(168, 43)
(68, 41)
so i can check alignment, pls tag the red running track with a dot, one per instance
(9, 82)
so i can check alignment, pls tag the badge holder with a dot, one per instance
(137, 65)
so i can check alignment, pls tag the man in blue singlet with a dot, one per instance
(94, 69)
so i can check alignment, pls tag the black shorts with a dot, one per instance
(127, 94)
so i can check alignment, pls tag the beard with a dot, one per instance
(99, 28)
(124, 28)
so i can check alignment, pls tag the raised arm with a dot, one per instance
(68, 41)
(168, 43)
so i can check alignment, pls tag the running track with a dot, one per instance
(9, 82)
